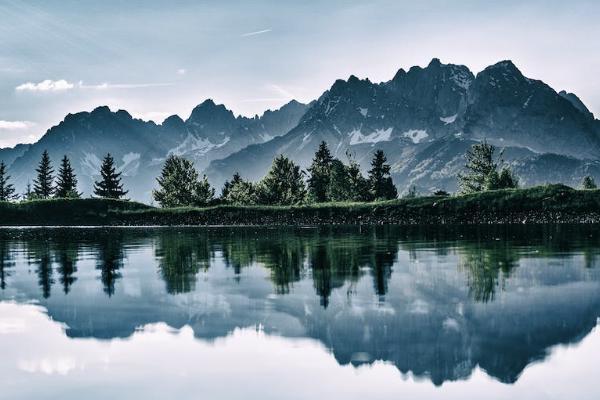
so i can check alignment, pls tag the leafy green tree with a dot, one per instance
(66, 181)
(588, 183)
(382, 186)
(7, 190)
(110, 185)
(42, 185)
(283, 184)
(480, 166)
(177, 183)
(359, 187)
(320, 174)
(339, 182)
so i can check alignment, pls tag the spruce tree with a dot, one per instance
(359, 185)
(7, 190)
(283, 184)
(320, 173)
(66, 181)
(339, 182)
(229, 184)
(42, 185)
(203, 192)
(109, 186)
(382, 186)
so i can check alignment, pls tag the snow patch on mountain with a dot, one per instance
(196, 145)
(379, 135)
(449, 120)
(363, 111)
(416, 135)
(90, 164)
(131, 163)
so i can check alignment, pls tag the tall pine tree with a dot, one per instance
(7, 190)
(320, 174)
(110, 185)
(66, 181)
(42, 185)
(382, 186)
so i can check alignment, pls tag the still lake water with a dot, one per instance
(290, 313)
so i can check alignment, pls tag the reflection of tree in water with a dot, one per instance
(284, 257)
(110, 254)
(181, 256)
(6, 261)
(39, 253)
(487, 266)
(66, 256)
(332, 257)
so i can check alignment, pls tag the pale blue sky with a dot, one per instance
(160, 58)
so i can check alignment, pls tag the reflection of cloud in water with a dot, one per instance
(158, 361)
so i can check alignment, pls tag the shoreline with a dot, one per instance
(551, 204)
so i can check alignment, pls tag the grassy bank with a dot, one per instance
(543, 204)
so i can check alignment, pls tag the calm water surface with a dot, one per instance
(336, 313)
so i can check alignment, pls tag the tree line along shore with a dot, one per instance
(329, 192)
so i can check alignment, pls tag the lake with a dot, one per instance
(300, 313)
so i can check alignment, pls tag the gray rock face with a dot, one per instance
(140, 147)
(425, 119)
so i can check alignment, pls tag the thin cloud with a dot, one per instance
(47, 85)
(181, 71)
(15, 125)
(255, 33)
(106, 85)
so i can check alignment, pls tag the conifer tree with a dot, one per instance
(7, 190)
(588, 183)
(110, 185)
(203, 192)
(339, 182)
(359, 185)
(283, 184)
(320, 173)
(66, 181)
(239, 191)
(28, 195)
(43, 185)
(382, 186)
(229, 184)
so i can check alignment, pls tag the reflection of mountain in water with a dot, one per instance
(436, 303)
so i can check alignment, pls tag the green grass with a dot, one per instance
(542, 204)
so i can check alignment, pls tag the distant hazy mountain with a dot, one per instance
(140, 147)
(426, 118)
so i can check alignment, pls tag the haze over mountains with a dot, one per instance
(424, 119)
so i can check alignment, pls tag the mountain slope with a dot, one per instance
(426, 118)
(140, 147)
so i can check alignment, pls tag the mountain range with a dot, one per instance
(424, 119)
